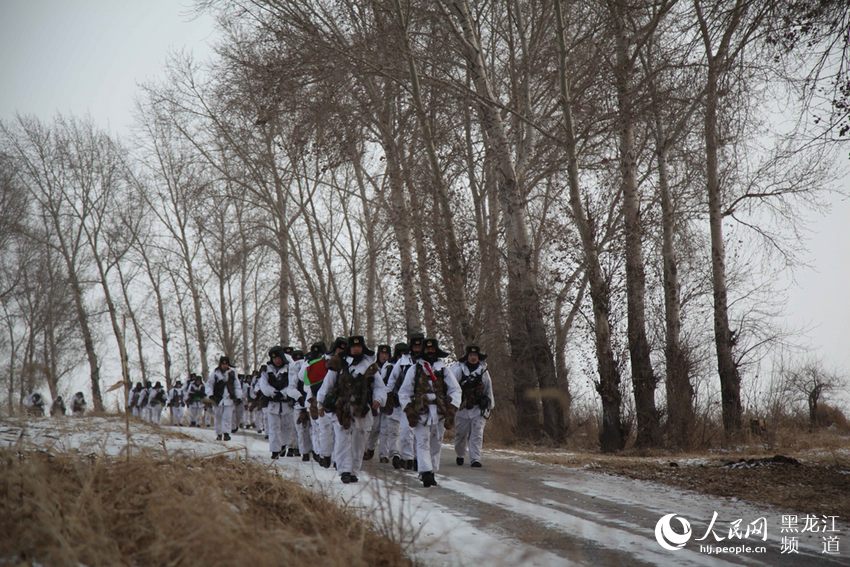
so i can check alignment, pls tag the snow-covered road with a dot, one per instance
(513, 511)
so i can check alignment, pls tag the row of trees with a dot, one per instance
(579, 187)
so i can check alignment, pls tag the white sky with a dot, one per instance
(87, 56)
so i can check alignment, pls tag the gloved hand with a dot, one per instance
(412, 415)
(450, 416)
(484, 403)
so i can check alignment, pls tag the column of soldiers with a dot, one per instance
(340, 406)
(34, 405)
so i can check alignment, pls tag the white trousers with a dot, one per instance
(280, 426)
(196, 410)
(350, 443)
(155, 413)
(303, 433)
(375, 432)
(223, 418)
(469, 433)
(405, 439)
(388, 438)
(429, 439)
(176, 415)
(326, 434)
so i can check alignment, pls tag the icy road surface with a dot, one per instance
(511, 512)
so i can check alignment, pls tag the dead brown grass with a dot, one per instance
(68, 509)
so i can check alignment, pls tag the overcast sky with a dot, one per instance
(87, 56)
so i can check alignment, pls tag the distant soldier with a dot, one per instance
(274, 384)
(301, 413)
(257, 403)
(176, 401)
(34, 405)
(325, 420)
(78, 404)
(384, 354)
(391, 414)
(156, 402)
(57, 409)
(430, 396)
(135, 400)
(144, 398)
(195, 394)
(406, 450)
(476, 404)
(351, 390)
(312, 373)
(224, 389)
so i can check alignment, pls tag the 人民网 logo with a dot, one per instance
(667, 537)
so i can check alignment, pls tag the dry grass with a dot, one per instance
(67, 509)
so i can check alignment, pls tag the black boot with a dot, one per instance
(415, 464)
(367, 456)
(428, 479)
(383, 460)
(459, 461)
(227, 437)
(396, 462)
(305, 458)
(275, 455)
(408, 465)
(354, 478)
(290, 452)
(346, 478)
(316, 457)
(297, 451)
(218, 437)
(475, 465)
(325, 462)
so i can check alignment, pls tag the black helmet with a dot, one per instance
(222, 359)
(400, 349)
(358, 340)
(277, 350)
(435, 344)
(339, 343)
(473, 349)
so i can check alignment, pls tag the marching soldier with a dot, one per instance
(257, 404)
(384, 354)
(391, 414)
(405, 432)
(135, 400)
(274, 384)
(175, 403)
(312, 373)
(144, 397)
(430, 396)
(224, 389)
(325, 420)
(78, 404)
(57, 408)
(351, 390)
(156, 402)
(301, 413)
(34, 405)
(477, 402)
(194, 396)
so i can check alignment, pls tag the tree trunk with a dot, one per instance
(400, 219)
(612, 435)
(643, 377)
(85, 330)
(450, 261)
(530, 350)
(680, 392)
(730, 379)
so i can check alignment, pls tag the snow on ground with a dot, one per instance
(515, 511)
